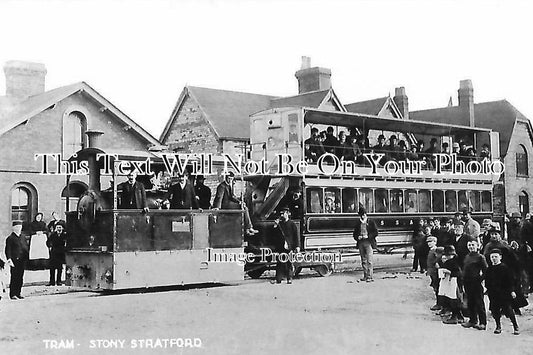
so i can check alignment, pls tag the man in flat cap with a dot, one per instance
(16, 254)
(287, 241)
(226, 200)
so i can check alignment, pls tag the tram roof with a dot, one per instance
(348, 119)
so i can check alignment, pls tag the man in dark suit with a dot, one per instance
(181, 195)
(365, 233)
(226, 200)
(287, 240)
(132, 193)
(203, 193)
(17, 254)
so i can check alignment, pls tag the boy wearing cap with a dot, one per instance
(499, 281)
(450, 284)
(475, 267)
(16, 254)
(432, 267)
(365, 233)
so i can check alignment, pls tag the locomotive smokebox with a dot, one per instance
(94, 171)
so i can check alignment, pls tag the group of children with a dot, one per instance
(459, 283)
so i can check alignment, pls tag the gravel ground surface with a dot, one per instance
(314, 315)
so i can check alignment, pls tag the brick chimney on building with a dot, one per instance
(466, 102)
(401, 100)
(24, 79)
(312, 79)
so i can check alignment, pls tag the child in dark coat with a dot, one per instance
(433, 266)
(499, 281)
(474, 269)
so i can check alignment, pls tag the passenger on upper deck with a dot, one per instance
(381, 148)
(331, 143)
(132, 193)
(392, 149)
(485, 152)
(313, 146)
(431, 151)
(343, 144)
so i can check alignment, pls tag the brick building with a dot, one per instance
(34, 121)
(218, 121)
(515, 189)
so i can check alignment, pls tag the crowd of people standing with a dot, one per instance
(463, 259)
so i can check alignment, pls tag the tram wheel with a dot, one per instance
(256, 273)
(323, 270)
(297, 271)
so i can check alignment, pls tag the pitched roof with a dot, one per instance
(310, 99)
(500, 116)
(33, 105)
(368, 107)
(228, 111)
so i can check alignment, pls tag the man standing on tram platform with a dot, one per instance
(132, 193)
(365, 233)
(287, 241)
(226, 200)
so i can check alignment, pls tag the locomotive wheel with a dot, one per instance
(297, 271)
(323, 270)
(256, 273)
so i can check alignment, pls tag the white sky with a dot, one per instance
(140, 54)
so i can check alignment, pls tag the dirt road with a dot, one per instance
(314, 315)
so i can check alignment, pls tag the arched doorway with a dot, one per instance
(23, 202)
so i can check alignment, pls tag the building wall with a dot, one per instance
(43, 134)
(515, 185)
(190, 131)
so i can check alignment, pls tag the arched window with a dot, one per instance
(23, 202)
(523, 203)
(72, 194)
(74, 127)
(521, 161)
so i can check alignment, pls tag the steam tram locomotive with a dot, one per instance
(111, 248)
(330, 200)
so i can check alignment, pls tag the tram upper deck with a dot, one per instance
(280, 134)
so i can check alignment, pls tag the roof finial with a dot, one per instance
(450, 102)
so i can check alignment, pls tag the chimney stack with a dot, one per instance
(466, 101)
(24, 79)
(312, 79)
(401, 100)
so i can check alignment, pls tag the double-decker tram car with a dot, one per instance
(396, 184)
(110, 248)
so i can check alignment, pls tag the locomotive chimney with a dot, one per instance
(93, 138)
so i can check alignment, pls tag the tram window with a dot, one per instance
(382, 200)
(451, 201)
(464, 204)
(314, 200)
(332, 198)
(424, 201)
(349, 201)
(475, 200)
(396, 201)
(438, 201)
(365, 200)
(411, 201)
(486, 201)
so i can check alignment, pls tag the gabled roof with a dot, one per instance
(368, 107)
(313, 99)
(500, 116)
(309, 99)
(226, 111)
(34, 105)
